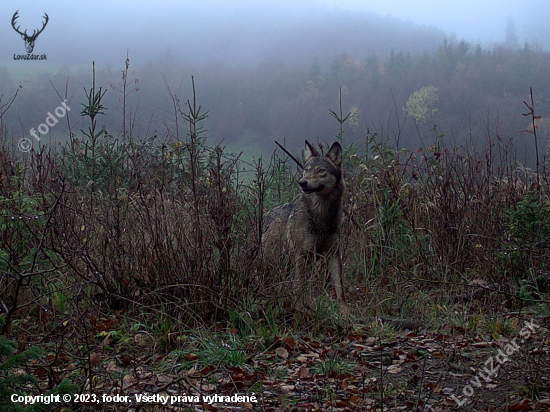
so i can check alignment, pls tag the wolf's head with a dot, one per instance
(321, 173)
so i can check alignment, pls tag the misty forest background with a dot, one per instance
(286, 92)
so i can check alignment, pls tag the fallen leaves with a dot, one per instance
(303, 373)
(128, 381)
(523, 405)
(340, 374)
(394, 369)
(282, 353)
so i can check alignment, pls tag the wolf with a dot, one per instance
(309, 227)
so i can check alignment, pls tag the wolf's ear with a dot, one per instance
(309, 152)
(335, 154)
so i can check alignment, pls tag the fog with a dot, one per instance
(272, 69)
(473, 20)
(249, 32)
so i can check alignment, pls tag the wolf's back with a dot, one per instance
(276, 229)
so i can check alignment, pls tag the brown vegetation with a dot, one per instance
(112, 245)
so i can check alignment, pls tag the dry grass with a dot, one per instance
(167, 231)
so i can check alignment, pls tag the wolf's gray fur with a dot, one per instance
(309, 227)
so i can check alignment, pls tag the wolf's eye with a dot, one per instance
(321, 170)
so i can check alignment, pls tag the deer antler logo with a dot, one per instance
(29, 40)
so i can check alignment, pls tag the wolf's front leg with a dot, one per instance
(335, 267)
(299, 275)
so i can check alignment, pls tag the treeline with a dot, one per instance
(478, 93)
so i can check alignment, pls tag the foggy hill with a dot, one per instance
(232, 34)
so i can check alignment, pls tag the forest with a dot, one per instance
(131, 264)
(477, 92)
